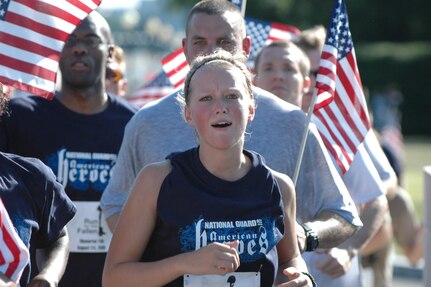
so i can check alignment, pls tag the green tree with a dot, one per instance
(383, 20)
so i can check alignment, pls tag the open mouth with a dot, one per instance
(221, 125)
(278, 88)
(79, 66)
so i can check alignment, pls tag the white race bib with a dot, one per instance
(88, 230)
(235, 279)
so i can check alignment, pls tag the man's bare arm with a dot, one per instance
(331, 229)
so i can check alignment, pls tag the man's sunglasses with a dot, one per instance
(114, 74)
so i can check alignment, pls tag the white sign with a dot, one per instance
(235, 279)
(88, 230)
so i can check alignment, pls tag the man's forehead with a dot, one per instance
(86, 26)
(281, 53)
(229, 20)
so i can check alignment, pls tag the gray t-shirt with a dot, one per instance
(159, 129)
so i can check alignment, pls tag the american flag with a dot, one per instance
(155, 89)
(32, 35)
(14, 255)
(340, 112)
(176, 67)
(261, 33)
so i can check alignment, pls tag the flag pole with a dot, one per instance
(243, 4)
(304, 137)
(240, 4)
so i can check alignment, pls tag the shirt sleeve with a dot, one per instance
(14, 255)
(378, 157)
(320, 174)
(123, 173)
(57, 212)
(362, 179)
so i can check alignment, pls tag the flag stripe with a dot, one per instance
(25, 22)
(71, 13)
(288, 28)
(45, 14)
(347, 113)
(325, 80)
(32, 36)
(282, 32)
(24, 44)
(178, 75)
(13, 253)
(43, 90)
(172, 56)
(16, 68)
(156, 88)
(24, 66)
(176, 67)
(331, 148)
(336, 149)
(358, 104)
(86, 6)
(337, 132)
(11, 245)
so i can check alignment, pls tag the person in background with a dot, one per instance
(116, 81)
(283, 68)
(323, 203)
(217, 182)
(401, 217)
(34, 212)
(311, 41)
(401, 226)
(77, 134)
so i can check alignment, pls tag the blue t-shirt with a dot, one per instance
(81, 150)
(37, 204)
(196, 208)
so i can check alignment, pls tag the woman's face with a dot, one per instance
(218, 105)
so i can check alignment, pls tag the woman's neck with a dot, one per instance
(229, 165)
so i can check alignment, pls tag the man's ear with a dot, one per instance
(246, 45)
(111, 51)
(307, 85)
(251, 113)
(185, 49)
(254, 79)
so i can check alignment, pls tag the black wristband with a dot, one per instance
(311, 278)
(311, 238)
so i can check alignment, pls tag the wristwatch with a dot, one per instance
(311, 238)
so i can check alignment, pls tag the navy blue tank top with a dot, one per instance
(196, 208)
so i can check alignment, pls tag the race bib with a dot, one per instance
(235, 279)
(88, 230)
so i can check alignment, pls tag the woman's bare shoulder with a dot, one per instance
(151, 177)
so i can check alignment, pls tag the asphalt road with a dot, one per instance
(403, 276)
